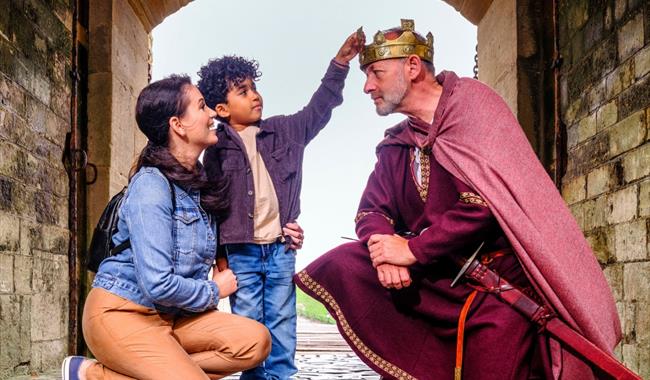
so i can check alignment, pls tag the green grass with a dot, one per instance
(311, 309)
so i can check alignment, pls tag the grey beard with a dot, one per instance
(386, 109)
(393, 97)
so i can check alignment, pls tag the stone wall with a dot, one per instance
(35, 45)
(118, 70)
(514, 55)
(605, 89)
(497, 50)
(35, 97)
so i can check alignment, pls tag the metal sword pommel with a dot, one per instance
(464, 269)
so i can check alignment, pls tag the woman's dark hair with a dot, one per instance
(157, 103)
(218, 75)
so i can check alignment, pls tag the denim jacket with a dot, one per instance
(167, 266)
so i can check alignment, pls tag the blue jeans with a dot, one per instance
(266, 293)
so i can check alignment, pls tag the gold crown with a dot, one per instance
(406, 44)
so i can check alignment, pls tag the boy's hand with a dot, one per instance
(226, 282)
(295, 233)
(351, 47)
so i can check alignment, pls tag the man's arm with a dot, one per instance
(377, 210)
(376, 215)
(462, 227)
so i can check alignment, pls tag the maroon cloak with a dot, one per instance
(482, 169)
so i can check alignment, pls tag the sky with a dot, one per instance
(293, 41)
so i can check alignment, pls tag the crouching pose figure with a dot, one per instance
(152, 311)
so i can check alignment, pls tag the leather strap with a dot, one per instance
(492, 282)
(458, 371)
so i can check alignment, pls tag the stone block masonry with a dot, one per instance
(607, 184)
(35, 45)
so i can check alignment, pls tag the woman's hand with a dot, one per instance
(226, 282)
(222, 263)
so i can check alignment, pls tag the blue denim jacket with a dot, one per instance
(167, 266)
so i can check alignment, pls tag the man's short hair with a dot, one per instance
(427, 65)
(219, 75)
(430, 67)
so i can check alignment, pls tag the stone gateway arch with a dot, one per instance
(70, 71)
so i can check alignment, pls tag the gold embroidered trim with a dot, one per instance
(326, 297)
(472, 198)
(425, 170)
(363, 214)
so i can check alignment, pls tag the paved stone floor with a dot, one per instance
(329, 366)
(322, 355)
(311, 366)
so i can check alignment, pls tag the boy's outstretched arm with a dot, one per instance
(305, 124)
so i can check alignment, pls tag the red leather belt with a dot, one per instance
(491, 282)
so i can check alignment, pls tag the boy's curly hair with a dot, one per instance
(218, 75)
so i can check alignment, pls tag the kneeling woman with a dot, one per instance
(152, 311)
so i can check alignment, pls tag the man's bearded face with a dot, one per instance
(387, 85)
(393, 95)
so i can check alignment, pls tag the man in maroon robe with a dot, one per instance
(456, 176)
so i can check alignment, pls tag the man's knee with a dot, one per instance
(344, 257)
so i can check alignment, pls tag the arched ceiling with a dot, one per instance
(472, 10)
(153, 12)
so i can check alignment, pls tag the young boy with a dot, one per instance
(262, 159)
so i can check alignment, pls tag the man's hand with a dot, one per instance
(351, 47)
(391, 249)
(295, 232)
(393, 276)
(226, 282)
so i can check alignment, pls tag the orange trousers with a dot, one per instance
(131, 341)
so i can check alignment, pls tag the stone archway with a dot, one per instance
(605, 104)
(119, 61)
(118, 68)
(605, 101)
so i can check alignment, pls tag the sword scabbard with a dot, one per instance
(492, 282)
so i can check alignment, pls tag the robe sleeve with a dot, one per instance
(377, 210)
(460, 229)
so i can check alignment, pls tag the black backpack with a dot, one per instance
(101, 244)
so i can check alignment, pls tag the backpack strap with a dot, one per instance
(127, 243)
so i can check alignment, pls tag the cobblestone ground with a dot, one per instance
(322, 355)
(329, 366)
(323, 366)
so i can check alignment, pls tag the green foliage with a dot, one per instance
(311, 309)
